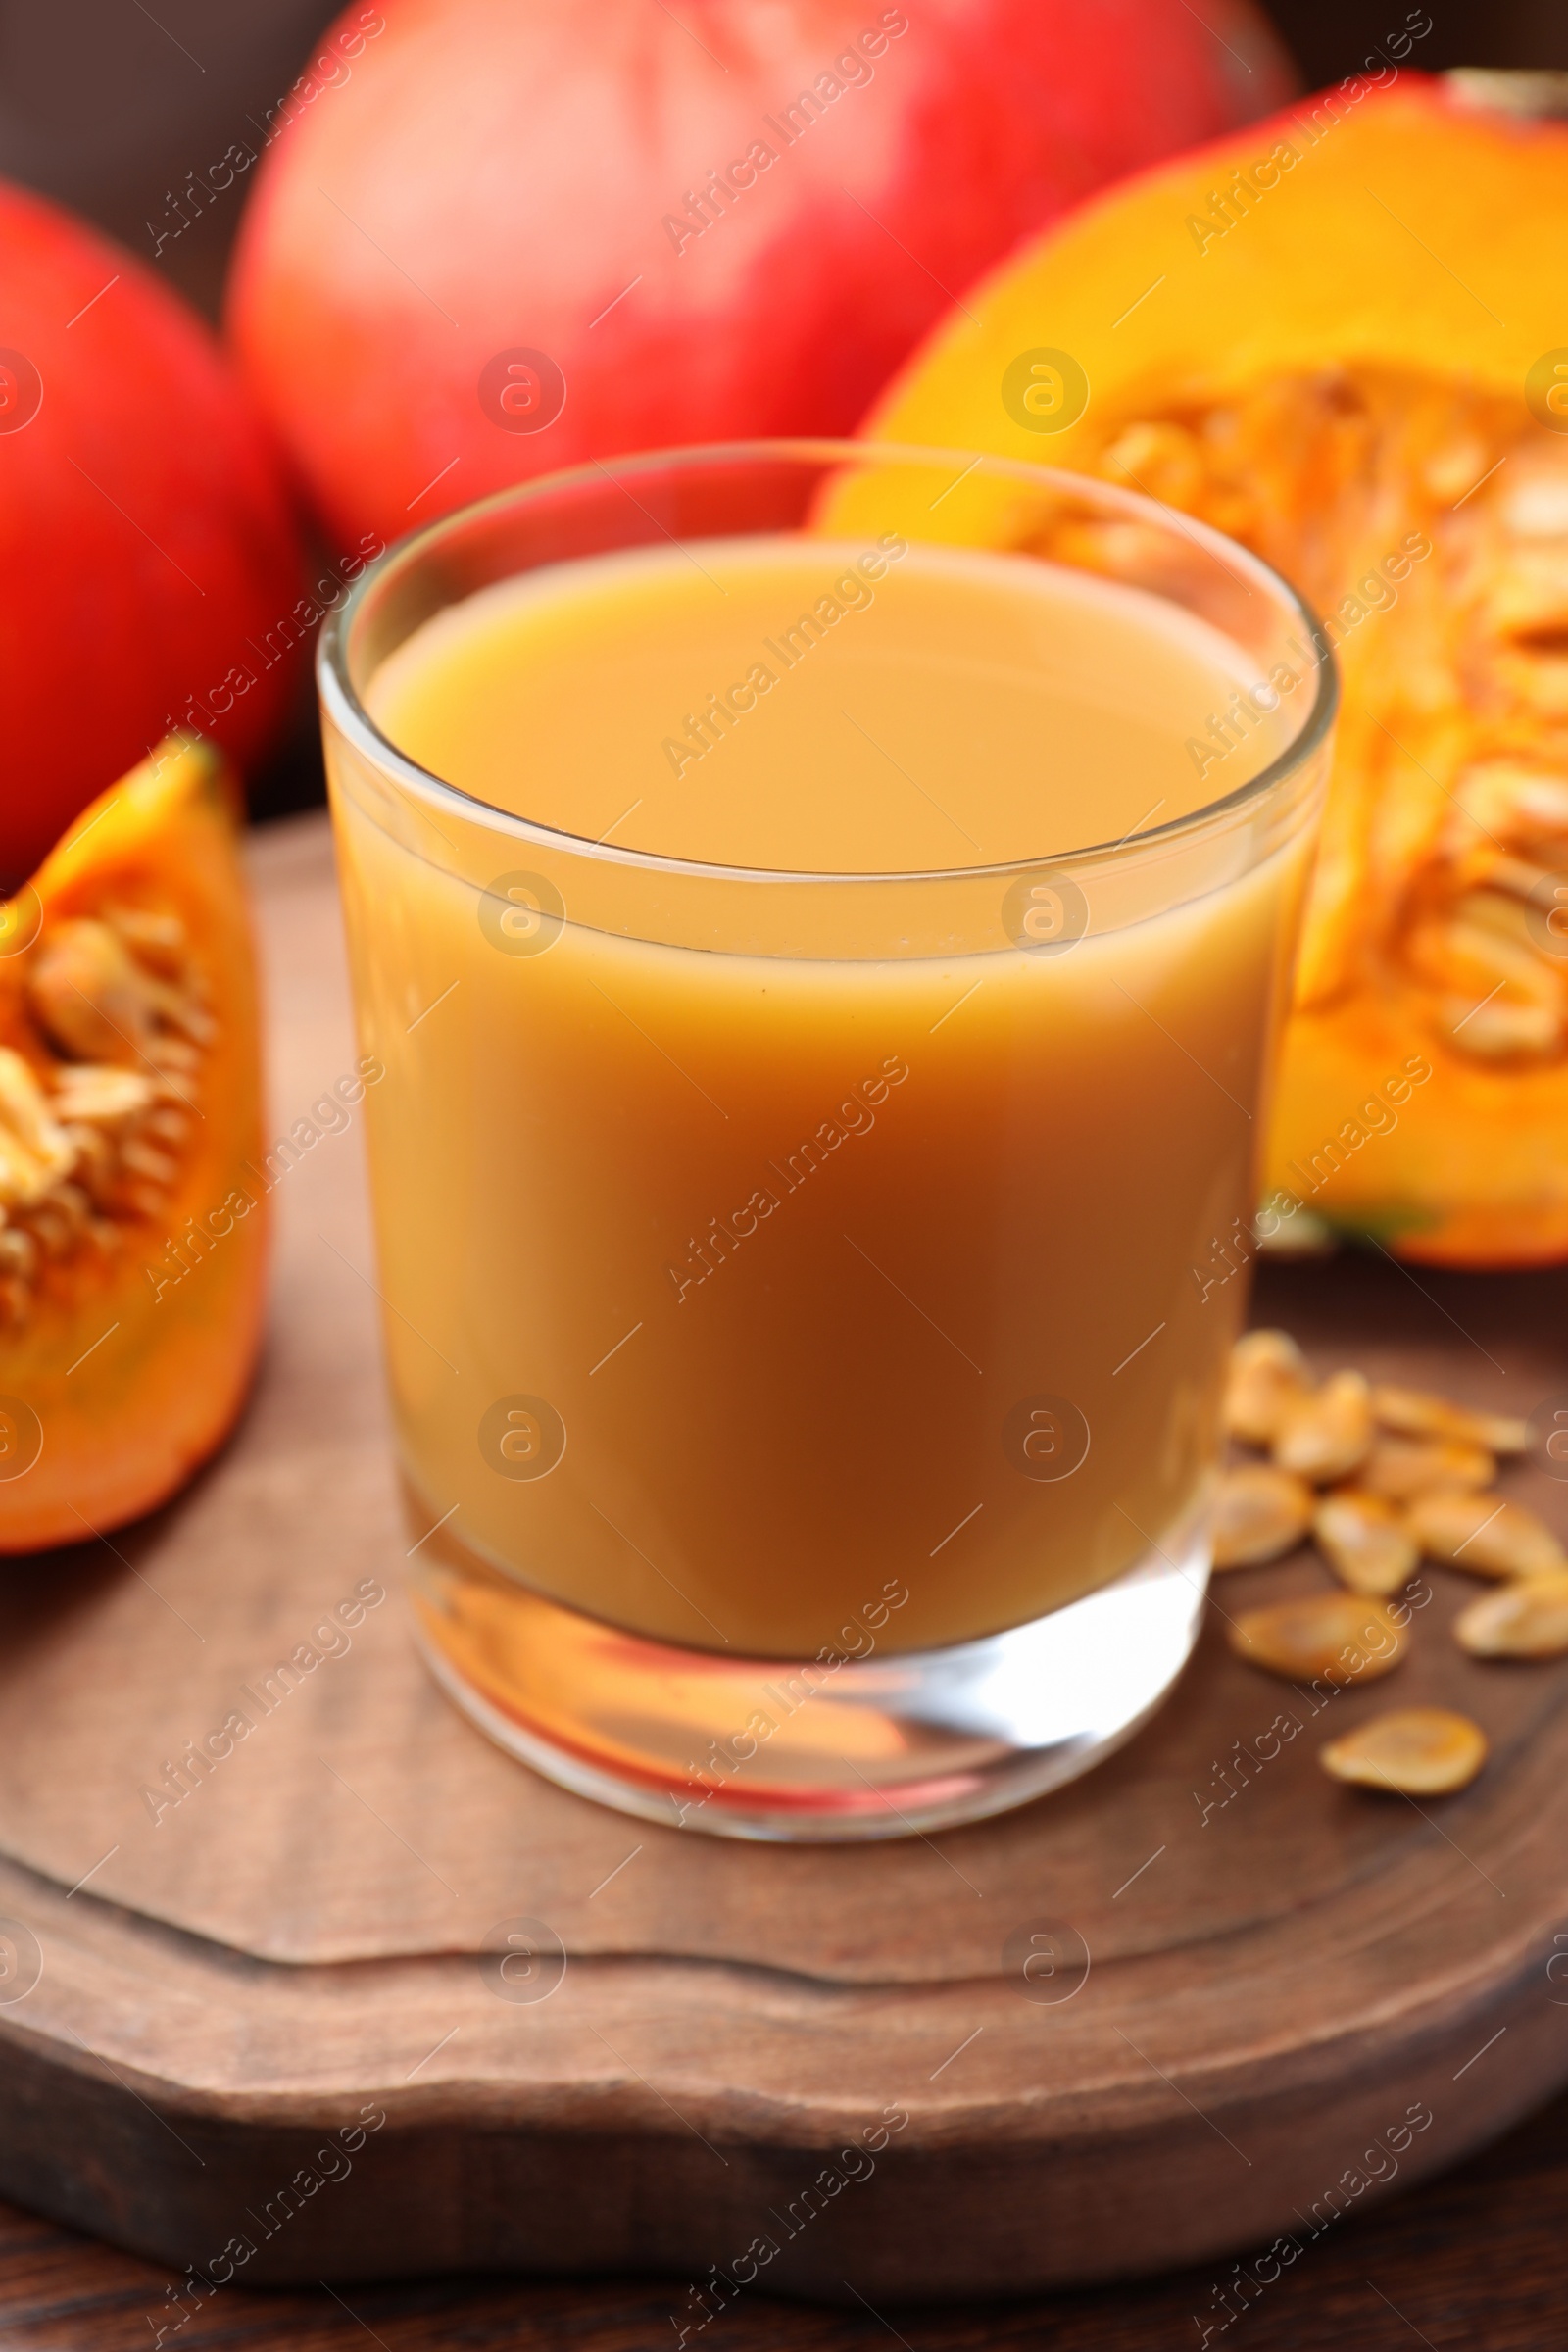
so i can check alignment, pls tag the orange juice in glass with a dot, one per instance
(826, 916)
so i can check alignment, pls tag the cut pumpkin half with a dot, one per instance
(1342, 337)
(132, 1234)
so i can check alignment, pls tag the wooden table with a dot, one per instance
(1477, 2261)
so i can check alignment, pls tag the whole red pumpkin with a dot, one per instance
(148, 562)
(494, 239)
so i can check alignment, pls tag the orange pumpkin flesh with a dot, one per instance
(1340, 350)
(132, 1237)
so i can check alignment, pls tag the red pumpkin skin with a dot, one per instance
(478, 177)
(146, 544)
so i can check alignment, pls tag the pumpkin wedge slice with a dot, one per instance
(1340, 336)
(132, 1231)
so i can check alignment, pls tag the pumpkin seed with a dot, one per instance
(1478, 952)
(1500, 795)
(1454, 466)
(23, 1179)
(19, 1254)
(1258, 1513)
(1399, 1468)
(1533, 504)
(60, 1222)
(97, 1162)
(1329, 1434)
(144, 1158)
(99, 1095)
(100, 1141)
(1365, 1541)
(1477, 1533)
(1542, 801)
(1336, 1638)
(1413, 1413)
(1165, 457)
(1499, 912)
(87, 993)
(41, 1154)
(92, 998)
(1501, 1029)
(158, 939)
(1415, 1751)
(1268, 1375)
(1515, 875)
(1528, 1618)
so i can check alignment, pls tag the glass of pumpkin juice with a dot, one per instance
(825, 914)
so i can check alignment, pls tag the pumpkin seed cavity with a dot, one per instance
(98, 1094)
(1437, 873)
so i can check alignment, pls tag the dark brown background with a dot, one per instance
(105, 104)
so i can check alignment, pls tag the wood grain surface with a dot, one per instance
(1476, 2262)
(1279, 1969)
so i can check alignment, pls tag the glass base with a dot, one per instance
(838, 1749)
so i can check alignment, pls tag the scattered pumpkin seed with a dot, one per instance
(1416, 1469)
(1259, 1512)
(1365, 1541)
(1399, 1468)
(1477, 1533)
(1527, 1618)
(1413, 1413)
(1415, 1751)
(1268, 1375)
(1336, 1638)
(1329, 1434)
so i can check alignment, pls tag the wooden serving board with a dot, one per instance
(233, 1993)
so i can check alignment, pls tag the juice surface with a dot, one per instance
(812, 707)
(774, 1260)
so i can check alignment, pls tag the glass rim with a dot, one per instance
(341, 700)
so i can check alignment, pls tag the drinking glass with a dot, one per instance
(808, 1284)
